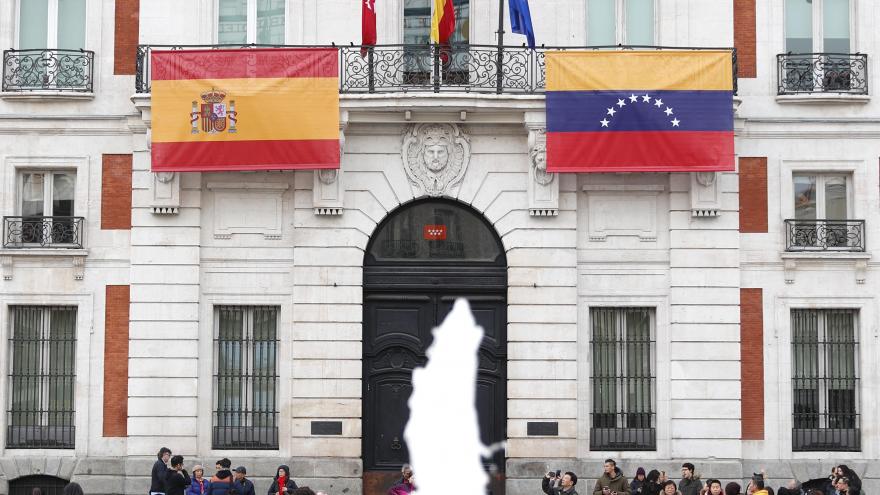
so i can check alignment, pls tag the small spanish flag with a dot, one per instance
(442, 21)
(245, 109)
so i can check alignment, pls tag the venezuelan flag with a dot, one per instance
(639, 111)
(245, 109)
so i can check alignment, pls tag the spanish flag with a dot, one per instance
(245, 109)
(639, 111)
(442, 21)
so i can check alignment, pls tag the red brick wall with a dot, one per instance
(116, 361)
(125, 39)
(744, 37)
(752, 363)
(116, 192)
(753, 195)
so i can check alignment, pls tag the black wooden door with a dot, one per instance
(397, 332)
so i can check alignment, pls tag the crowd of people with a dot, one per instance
(168, 477)
(842, 481)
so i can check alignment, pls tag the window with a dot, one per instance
(46, 211)
(623, 379)
(251, 21)
(245, 377)
(42, 345)
(417, 22)
(821, 210)
(825, 383)
(51, 24)
(48, 485)
(817, 26)
(613, 22)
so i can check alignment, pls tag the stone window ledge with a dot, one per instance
(77, 259)
(817, 98)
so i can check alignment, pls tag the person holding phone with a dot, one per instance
(612, 481)
(559, 484)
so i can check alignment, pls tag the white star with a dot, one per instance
(668, 111)
(604, 122)
(646, 98)
(658, 103)
(612, 111)
(675, 122)
(633, 98)
(621, 103)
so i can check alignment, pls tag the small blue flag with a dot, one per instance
(521, 20)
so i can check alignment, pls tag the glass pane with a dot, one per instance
(416, 21)
(26, 365)
(805, 197)
(601, 22)
(462, 21)
(835, 197)
(62, 359)
(232, 24)
(835, 26)
(33, 30)
(805, 367)
(71, 24)
(270, 22)
(264, 351)
(63, 190)
(435, 231)
(639, 22)
(32, 194)
(799, 26)
(604, 354)
(229, 366)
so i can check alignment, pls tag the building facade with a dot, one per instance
(728, 319)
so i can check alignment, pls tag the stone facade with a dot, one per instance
(675, 242)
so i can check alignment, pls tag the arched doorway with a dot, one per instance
(421, 258)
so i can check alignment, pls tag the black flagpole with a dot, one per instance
(499, 63)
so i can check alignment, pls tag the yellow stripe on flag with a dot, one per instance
(436, 15)
(268, 109)
(639, 70)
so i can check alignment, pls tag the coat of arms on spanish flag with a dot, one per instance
(640, 111)
(245, 109)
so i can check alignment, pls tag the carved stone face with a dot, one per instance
(541, 161)
(436, 156)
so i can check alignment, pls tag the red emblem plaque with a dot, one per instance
(434, 232)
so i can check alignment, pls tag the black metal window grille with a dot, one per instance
(825, 382)
(800, 73)
(623, 379)
(41, 410)
(48, 485)
(246, 377)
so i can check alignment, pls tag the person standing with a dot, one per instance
(652, 483)
(176, 480)
(199, 485)
(563, 485)
(221, 483)
(639, 484)
(406, 485)
(160, 472)
(690, 482)
(283, 484)
(612, 481)
(242, 485)
(756, 485)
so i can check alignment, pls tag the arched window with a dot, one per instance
(48, 485)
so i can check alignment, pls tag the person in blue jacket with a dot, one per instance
(199, 485)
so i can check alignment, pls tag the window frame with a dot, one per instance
(48, 189)
(471, 24)
(247, 389)
(818, 28)
(250, 22)
(620, 22)
(822, 375)
(821, 177)
(51, 24)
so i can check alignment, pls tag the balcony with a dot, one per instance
(48, 70)
(427, 68)
(42, 232)
(822, 73)
(824, 235)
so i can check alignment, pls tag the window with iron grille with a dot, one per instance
(825, 382)
(245, 377)
(42, 347)
(48, 485)
(623, 379)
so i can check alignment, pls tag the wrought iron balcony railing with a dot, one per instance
(427, 68)
(43, 232)
(48, 70)
(822, 73)
(825, 235)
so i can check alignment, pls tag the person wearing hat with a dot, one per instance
(199, 485)
(242, 485)
(283, 484)
(638, 485)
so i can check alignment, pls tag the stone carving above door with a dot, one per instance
(435, 157)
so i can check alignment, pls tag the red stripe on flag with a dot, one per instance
(230, 155)
(447, 22)
(172, 65)
(368, 23)
(640, 151)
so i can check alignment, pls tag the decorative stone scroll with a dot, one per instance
(328, 189)
(166, 193)
(435, 157)
(705, 194)
(543, 186)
